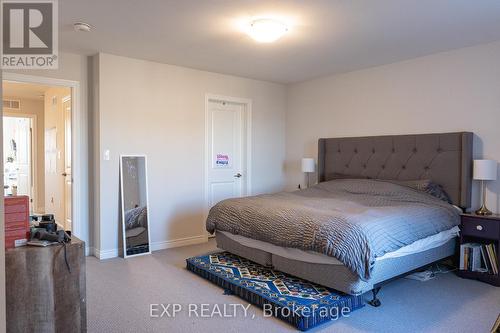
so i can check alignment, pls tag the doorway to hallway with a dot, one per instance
(38, 147)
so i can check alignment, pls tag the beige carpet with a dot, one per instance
(119, 294)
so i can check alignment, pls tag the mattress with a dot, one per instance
(418, 246)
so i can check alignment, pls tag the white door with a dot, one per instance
(68, 180)
(53, 189)
(226, 134)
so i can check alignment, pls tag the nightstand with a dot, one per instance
(483, 230)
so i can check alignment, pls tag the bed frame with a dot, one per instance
(445, 158)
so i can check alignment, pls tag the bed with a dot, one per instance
(346, 164)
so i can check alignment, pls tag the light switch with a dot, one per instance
(106, 155)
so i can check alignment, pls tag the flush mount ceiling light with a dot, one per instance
(82, 26)
(266, 30)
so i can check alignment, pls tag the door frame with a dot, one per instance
(64, 100)
(34, 150)
(246, 145)
(77, 145)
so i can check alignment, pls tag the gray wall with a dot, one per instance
(451, 91)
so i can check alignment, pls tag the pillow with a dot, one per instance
(344, 176)
(424, 185)
(427, 186)
(136, 217)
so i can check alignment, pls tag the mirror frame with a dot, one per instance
(124, 239)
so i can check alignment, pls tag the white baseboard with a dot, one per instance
(155, 246)
(105, 254)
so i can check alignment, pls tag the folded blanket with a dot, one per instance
(353, 220)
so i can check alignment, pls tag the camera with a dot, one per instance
(48, 223)
(47, 231)
(58, 236)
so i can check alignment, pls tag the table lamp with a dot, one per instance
(308, 166)
(484, 170)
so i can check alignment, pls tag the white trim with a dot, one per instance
(76, 141)
(123, 206)
(154, 246)
(105, 254)
(247, 103)
(24, 78)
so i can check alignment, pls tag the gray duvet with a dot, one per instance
(354, 221)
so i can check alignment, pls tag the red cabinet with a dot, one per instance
(16, 219)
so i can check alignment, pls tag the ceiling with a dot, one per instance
(326, 36)
(23, 90)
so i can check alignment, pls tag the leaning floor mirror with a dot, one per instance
(134, 202)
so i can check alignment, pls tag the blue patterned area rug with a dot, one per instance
(299, 302)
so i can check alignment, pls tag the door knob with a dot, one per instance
(64, 174)
(238, 175)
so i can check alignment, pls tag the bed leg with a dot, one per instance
(375, 301)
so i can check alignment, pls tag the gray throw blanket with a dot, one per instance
(136, 217)
(353, 220)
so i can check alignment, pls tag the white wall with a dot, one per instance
(74, 67)
(159, 110)
(452, 91)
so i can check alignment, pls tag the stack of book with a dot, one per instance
(477, 257)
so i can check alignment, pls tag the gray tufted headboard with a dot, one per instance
(445, 158)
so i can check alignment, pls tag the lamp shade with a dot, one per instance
(485, 169)
(308, 165)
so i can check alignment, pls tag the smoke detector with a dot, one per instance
(82, 26)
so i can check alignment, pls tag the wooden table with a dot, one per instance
(41, 294)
